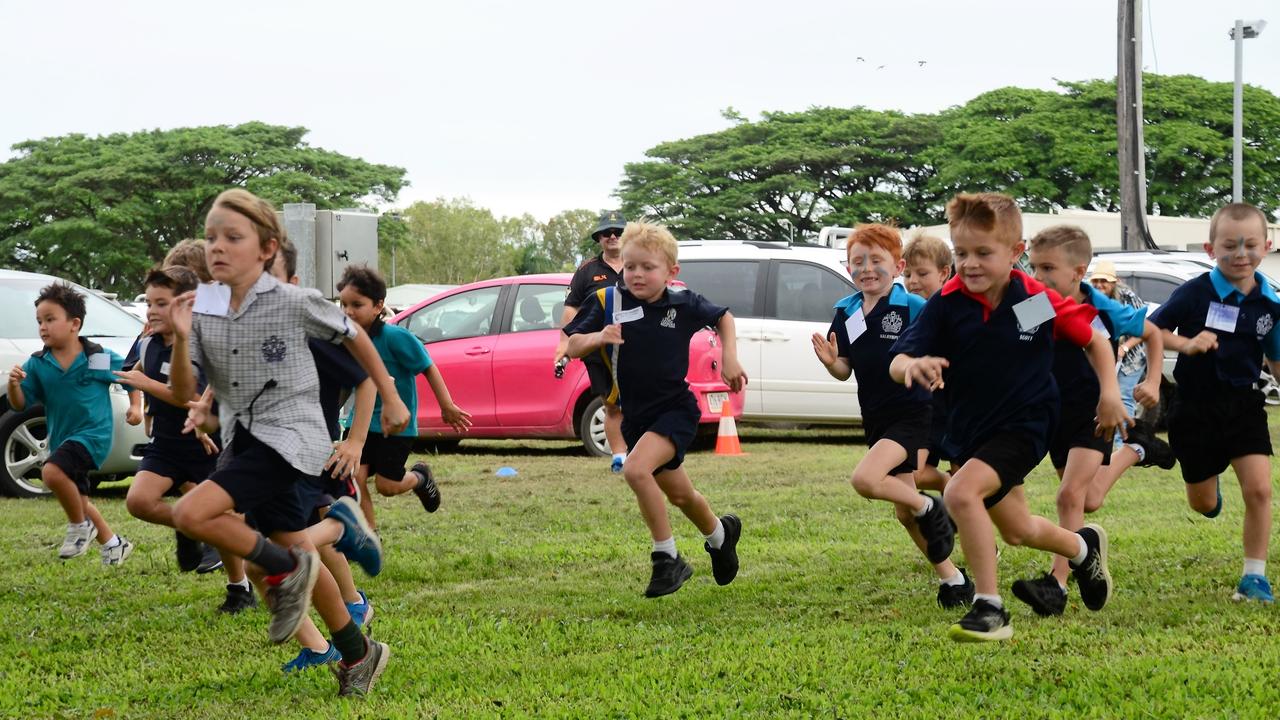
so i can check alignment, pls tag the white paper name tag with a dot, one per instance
(1222, 317)
(1101, 327)
(1033, 312)
(164, 369)
(626, 316)
(100, 361)
(212, 299)
(855, 325)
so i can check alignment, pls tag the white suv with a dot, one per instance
(779, 295)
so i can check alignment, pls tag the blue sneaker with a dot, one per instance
(309, 658)
(358, 542)
(361, 612)
(1254, 587)
(618, 460)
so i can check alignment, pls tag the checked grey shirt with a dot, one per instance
(257, 361)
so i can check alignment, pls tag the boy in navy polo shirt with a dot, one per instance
(71, 376)
(928, 265)
(1225, 323)
(988, 337)
(896, 419)
(650, 328)
(1060, 256)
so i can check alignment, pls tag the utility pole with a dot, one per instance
(1134, 234)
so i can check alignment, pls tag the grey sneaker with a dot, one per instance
(290, 600)
(77, 541)
(118, 554)
(358, 679)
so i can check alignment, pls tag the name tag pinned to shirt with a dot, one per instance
(1100, 326)
(855, 325)
(164, 369)
(212, 299)
(626, 316)
(100, 361)
(1222, 317)
(1033, 312)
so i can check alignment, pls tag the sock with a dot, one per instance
(242, 583)
(716, 538)
(667, 546)
(350, 643)
(928, 505)
(1255, 567)
(114, 541)
(957, 579)
(1084, 551)
(272, 558)
(993, 599)
(1142, 452)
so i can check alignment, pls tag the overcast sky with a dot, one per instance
(535, 106)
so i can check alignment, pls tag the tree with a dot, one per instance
(101, 210)
(454, 242)
(566, 238)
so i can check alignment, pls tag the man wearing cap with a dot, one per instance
(595, 273)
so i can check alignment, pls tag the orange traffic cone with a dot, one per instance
(727, 436)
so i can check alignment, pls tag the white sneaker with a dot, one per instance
(77, 540)
(118, 554)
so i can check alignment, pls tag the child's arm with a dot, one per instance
(141, 382)
(1112, 415)
(827, 352)
(395, 415)
(730, 369)
(133, 415)
(584, 344)
(17, 400)
(1205, 342)
(182, 376)
(454, 416)
(1148, 393)
(925, 370)
(346, 455)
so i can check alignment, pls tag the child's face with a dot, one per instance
(1053, 268)
(158, 301)
(278, 272)
(235, 254)
(1238, 246)
(872, 268)
(923, 278)
(983, 260)
(646, 272)
(359, 308)
(57, 330)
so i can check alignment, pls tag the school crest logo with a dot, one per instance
(1265, 323)
(273, 349)
(670, 320)
(891, 322)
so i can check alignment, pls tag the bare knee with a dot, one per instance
(959, 498)
(1070, 497)
(1014, 536)
(683, 498)
(138, 505)
(1256, 494)
(863, 483)
(635, 475)
(184, 518)
(1093, 504)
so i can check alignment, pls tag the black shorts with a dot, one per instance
(678, 423)
(75, 461)
(318, 492)
(1076, 425)
(937, 428)
(907, 425)
(158, 459)
(1013, 455)
(386, 456)
(1206, 434)
(263, 485)
(601, 378)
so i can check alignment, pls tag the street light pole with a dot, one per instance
(1242, 31)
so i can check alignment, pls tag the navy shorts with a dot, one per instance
(75, 461)
(678, 423)
(386, 456)
(263, 485)
(318, 492)
(1013, 454)
(908, 425)
(1076, 425)
(1206, 434)
(937, 428)
(179, 469)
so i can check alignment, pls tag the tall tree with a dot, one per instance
(566, 238)
(454, 242)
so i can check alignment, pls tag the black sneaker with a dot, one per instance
(210, 560)
(983, 623)
(724, 560)
(427, 491)
(189, 552)
(938, 531)
(1092, 575)
(956, 596)
(1155, 451)
(238, 599)
(1043, 594)
(669, 573)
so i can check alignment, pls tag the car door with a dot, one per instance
(739, 286)
(526, 390)
(459, 332)
(792, 382)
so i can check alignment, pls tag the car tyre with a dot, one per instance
(24, 444)
(591, 429)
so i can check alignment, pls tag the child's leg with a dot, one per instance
(366, 500)
(1254, 473)
(323, 535)
(91, 511)
(145, 500)
(1107, 477)
(204, 514)
(65, 490)
(969, 486)
(1019, 527)
(233, 565)
(871, 478)
(675, 484)
(613, 429)
(1203, 496)
(1077, 476)
(308, 636)
(653, 451)
(945, 569)
(930, 476)
(389, 487)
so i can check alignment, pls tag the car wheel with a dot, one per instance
(591, 429)
(24, 439)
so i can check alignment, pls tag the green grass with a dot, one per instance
(521, 597)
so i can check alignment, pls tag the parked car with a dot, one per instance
(494, 342)
(23, 436)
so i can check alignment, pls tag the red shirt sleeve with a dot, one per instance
(1072, 321)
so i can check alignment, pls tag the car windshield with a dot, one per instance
(102, 317)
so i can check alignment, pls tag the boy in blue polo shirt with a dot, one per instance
(897, 420)
(71, 376)
(988, 337)
(1060, 256)
(1225, 323)
(647, 339)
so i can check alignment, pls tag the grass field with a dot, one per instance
(522, 597)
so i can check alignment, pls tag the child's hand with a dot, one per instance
(732, 373)
(456, 418)
(927, 371)
(197, 414)
(133, 378)
(17, 375)
(1148, 393)
(395, 417)
(1206, 341)
(210, 447)
(825, 349)
(133, 415)
(611, 334)
(180, 313)
(1112, 416)
(345, 458)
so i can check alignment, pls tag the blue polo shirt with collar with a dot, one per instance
(1238, 360)
(77, 401)
(405, 358)
(870, 353)
(1077, 381)
(1000, 377)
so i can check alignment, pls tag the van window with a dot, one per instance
(731, 283)
(1154, 288)
(808, 292)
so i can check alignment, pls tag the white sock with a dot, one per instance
(993, 599)
(242, 583)
(619, 457)
(1084, 551)
(76, 526)
(114, 541)
(716, 538)
(667, 546)
(1255, 567)
(1142, 453)
(928, 505)
(957, 579)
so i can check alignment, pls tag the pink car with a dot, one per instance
(494, 342)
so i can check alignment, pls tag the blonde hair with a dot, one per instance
(189, 254)
(1237, 211)
(928, 247)
(261, 214)
(651, 237)
(1073, 240)
(988, 212)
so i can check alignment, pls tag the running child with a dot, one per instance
(928, 266)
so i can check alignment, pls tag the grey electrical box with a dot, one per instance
(328, 241)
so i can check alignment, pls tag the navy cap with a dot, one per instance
(609, 220)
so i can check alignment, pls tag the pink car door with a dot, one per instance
(527, 392)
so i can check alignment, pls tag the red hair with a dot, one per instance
(885, 237)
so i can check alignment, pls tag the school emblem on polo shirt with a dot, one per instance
(891, 322)
(670, 320)
(1265, 323)
(273, 349)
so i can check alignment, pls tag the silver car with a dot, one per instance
(23, 436)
